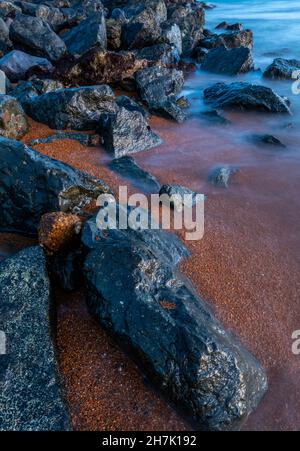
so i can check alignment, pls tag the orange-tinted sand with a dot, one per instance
(247, 267)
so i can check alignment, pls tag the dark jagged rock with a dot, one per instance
(282, 69)
(245, 96)
(222, 175)
(171, 34)
(33, 184)
(199, 54)
(88, 34)
(31, 396)
(165, 54)
(268, 140)
(148, 12)
(190, 18)
(35, 35)
(83, 138)
(132, 105)
(128, 168)
(230, 40)
(55, 17)
(13, 121)
(125, 132)
(5, 42)
(138, 35)
(214, 118)
(153, 311)
(227, 26)
(9, 10)
(158, 86)
(228, 61)
(16, 64)
(25, 90)
(114, 34)
(76, 108)
(65, 268)
(176, 196)
(97, 67)
(183, 102)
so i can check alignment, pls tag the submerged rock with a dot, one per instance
(214, 118)
(222, 175)
(88, 34)
(268, 140)
(74, 108)
(137, 295)
(13, 121)
(31, 397)
(228, 61)
(33, 184)
(128, 168)
(37, 36)
(16, 64)
(245, 96)
(283, 69)
(125, 132)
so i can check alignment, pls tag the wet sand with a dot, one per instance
(247, 267)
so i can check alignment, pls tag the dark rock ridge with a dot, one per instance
(88, 34)
(31, 397)
(128, 168)
(33, 184)
(16, 64)
(155, 313)
(268, 140)
(228, 61)
(126, 132)
(13, 121)
(75, 108)
(35, 35)
(245, 96)
(282, 69)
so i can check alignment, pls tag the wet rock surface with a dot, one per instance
(222, 175)
(268, 140)
(156, 314)
(228, 61)
(33, 184)
(128, 168)
(245, 96)
(180, 196)
(283, 69)
(16, 64)
(76, 108)
(31, 396)
(5, 42)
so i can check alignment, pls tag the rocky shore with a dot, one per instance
(95, 74)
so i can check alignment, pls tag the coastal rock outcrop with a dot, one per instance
(245, 96)
(31, 396)
(33, 184)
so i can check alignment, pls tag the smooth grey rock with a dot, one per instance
(245, 96)
(37, 36)
(31, 397)
(228, 61)
(283, 69)
(33, 184)
(17, 63)
(88, 34)
(74, 108)
(13, 121)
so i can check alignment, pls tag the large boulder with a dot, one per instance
(75, 108)
(25, 90)
(54, 16)
(138, 295)
(230, 40)
(88, 34)
(5, 42)
(32, 184)
(245, 96)
(283, 69)
(31, 396)
(228, 61)
(16, 64)
(138, 35)
(125, 132)
(13, 121)
(159, 86)
(164, 54)
(35, 35)
(97, 67)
